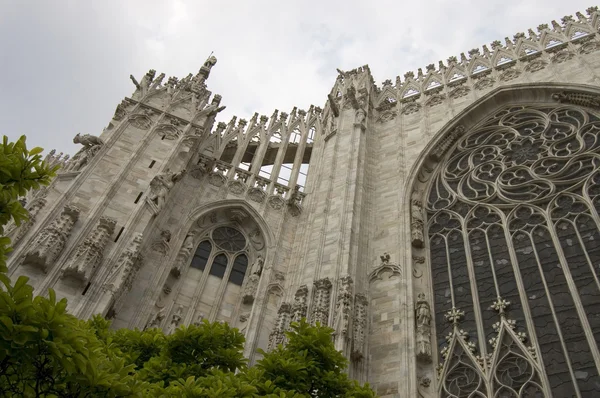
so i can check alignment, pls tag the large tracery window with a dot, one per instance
(514, 243)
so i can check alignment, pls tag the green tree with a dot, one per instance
(21, 170)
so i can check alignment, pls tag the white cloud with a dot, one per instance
(66, 64)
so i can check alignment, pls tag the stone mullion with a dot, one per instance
(574, 291)
(473, 285)
(299, 155)
(285, 137)
(525, 301)
(195, 301)
(551, 304)
(216, 307)
(259, 155)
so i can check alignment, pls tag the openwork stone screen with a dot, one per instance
(515, 255)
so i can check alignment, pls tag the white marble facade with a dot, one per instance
(168, 217)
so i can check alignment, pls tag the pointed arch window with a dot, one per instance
(238, 272)
(201, 255)
(514, 248)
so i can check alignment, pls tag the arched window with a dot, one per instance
(239, 270)
(201, 256)
(514, 243)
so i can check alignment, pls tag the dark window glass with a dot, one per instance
(239, 270)
(219, 266)
(201, 256)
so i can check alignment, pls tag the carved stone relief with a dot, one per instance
(535, 65)
(88, 256)
(52, 239)
(510, 74)
(416, 223)
(160, 186)
(483, 83)
(237, 187)
(384, 267)
(410, 108)
(91, 146)
(321, 301)
(277, 336)
(300, 304)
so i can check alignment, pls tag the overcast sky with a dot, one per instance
(65, 65)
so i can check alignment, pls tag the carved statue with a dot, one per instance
(581, 99)
(157, 319)
(87, 140)
(343, 314)
(199, 319)
(417, 224)
(161, 185)
(184, 254)
(423, 320)
(257, 267)
(250, 289)
(176, 319)
(360, 116)
(91, 145)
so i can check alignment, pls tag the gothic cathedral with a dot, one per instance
(446, 224)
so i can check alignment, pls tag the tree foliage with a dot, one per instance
(47, 352)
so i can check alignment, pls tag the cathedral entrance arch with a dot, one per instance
(504, 212)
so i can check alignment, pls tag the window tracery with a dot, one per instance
(512, 217)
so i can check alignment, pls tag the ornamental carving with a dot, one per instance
(51, 241)
(321, 301)
(445, 143)
(423, 320)
(276, 202)
(575, 98)
(300, 304)
(435, 99)
(459, 92)
(535, 65)
(216, 179)
(140, 121)
(386, 116)
(562, 56)
(121, 275)
(89, 254)
(359, 327)
(282, 324)
(343, 314)
(510, 74)
(237, 187)
(483, 83)
(410, 108)
(256, 194)
(589, 47)
(385, 267)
